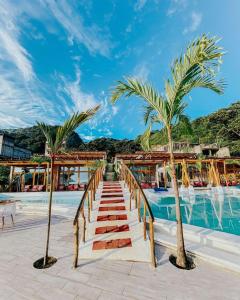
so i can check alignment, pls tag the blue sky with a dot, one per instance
(57, 57)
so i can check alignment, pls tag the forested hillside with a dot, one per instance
(33, 139)
(222, 127)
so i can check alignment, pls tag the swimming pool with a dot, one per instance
(215, 211)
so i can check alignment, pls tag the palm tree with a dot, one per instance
(55, 139)
(196, 68)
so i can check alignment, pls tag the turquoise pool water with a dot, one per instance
(217, 212)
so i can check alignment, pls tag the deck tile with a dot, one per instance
(110, 208)
(114, 201)
(112, 244)
(112, 195)
(111, 218)
(107, 229)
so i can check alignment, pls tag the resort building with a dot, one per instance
(207, 150)
(8, 149)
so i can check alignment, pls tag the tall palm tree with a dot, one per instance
(196, 68)
(55, 139)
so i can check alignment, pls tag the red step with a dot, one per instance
(112, 201)
(107, 208)
(111, 185)
(111, 191)
(111, 218)
(111, 244)
(112, 195)
(107, 229)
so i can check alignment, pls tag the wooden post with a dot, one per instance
(139, 205)
(225, 173)
(151, 232)
(144, 222)
(84, 226)
(164, 174)
(68, 175)
(34, 176)
(156, 176)
(89, 202)
(47, 177)
(76, 243)
(11, 178)
(44, 177)
(78, 179)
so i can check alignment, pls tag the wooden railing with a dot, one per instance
(89, 196)
(137, 194)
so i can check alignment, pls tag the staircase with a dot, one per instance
(113, 230)
(110, 174)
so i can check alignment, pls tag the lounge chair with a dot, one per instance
(41, 188)
(7, 209)
(82, 186)
(73, 187)
(61, 187)
(34, 188)
(27, 188)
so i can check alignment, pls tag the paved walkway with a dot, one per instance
(101, 279)
(114, 231)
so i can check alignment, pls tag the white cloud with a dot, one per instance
(141, 71)
(176, 6)
(11, 49)
(139, 4)
(115, 110)
(88, 138)
(23, 97)
(91, 36)
(78, 100)
(196, 19)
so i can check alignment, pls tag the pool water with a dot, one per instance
(217, 212)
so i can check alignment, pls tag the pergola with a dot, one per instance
(65, 166)
(214, 170)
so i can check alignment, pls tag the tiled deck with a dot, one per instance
(102, 279)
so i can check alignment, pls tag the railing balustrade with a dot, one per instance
(137, 194)
(89, 196)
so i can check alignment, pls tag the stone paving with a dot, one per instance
(103, 279)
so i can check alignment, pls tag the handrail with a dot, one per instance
(137, 194)
(88, 194)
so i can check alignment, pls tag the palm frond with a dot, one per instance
(56, 137)
(71, 124)
(149, 113)
(132, 86)
(145, 139)
(196, 68)
(48, 133)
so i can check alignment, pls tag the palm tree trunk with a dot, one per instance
(49, 211)
(181, 254)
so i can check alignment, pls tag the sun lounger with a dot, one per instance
(61, 187)
(7, 209)
(27, 188)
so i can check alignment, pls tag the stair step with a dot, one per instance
(112, 201)
(110, 208)
(108, 229)
(111, 218)
(112, 185)
(112, 195)
(111, 191)
(112, 244)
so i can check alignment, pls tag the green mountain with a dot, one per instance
(222, 127)
(33, 139)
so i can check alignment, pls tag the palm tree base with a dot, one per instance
(189, 265)
(39, 264)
